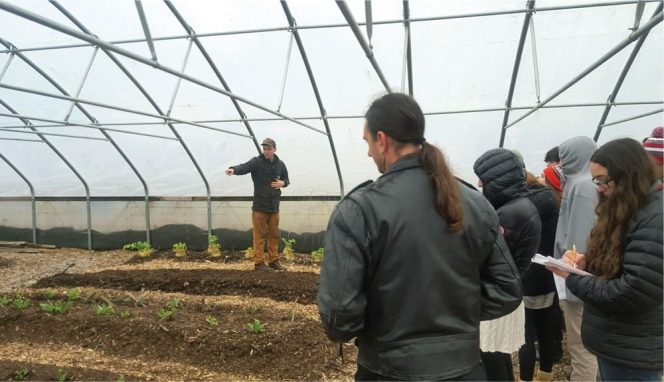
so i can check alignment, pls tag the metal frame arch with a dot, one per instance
(157, 108)
(32, 195)
(64, 159)
(106, 135)
(312, 79)
(214, 68)
(621, 78)
(515, 70)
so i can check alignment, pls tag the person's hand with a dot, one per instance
(277, 184)
(230, 171)
(577, 260)
(558, 271)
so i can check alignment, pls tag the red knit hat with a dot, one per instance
(655, 148)
(553, 177)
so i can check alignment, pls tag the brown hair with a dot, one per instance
(628, 166)
(400, 117)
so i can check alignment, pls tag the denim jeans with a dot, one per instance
(609, 371)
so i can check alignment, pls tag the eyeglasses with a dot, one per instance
(601, 182)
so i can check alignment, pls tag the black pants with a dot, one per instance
(477, 374)
(538, 328)
(498, 366)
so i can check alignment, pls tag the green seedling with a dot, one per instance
(249, 253)
(120, 379)
(49, 294)
(21, 302)
(317, 254)
(58, 307)
(165, 314)
(104, 309)
(21, 374)
(288, 248)
(73, 294)
(257, 326)
(137, 246)
(5, 301)
(252, 309)
(213, 246)
(212, 320)
(61, 375)
(180, 249)
(125, 314)
(174, 303)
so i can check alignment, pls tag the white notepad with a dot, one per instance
(550, 261)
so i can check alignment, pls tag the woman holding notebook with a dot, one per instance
(622, 321)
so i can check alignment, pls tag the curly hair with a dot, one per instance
(629, 167)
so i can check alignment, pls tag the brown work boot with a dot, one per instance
(276, 266)
(262, 267)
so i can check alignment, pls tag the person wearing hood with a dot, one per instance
(576, 220)
(502, 177)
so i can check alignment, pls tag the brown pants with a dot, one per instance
(265, 224)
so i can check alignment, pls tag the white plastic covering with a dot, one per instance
(458, 64)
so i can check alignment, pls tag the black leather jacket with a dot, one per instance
(263, 172)
(410, 291)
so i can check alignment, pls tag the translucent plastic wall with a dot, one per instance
(166, 70)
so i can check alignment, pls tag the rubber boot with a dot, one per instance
(544, 376)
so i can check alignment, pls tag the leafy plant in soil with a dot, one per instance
(21, 302)
(288, 249)
(142, 247)
(317, 254)
(58, 307)
(174, 303)
(61, 375)
(5, 301)
(214, 249)
(180, 249)
(104, 309)
(212, 320)
(49, 294)
(125, 314)
(21, 374)
(165, 314)
(257, 326)
(73, 294)
(249, 253)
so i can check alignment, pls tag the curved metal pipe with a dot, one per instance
(32, 196)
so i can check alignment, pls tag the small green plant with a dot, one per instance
(257, 326)
(249, 253)
(288, 248)
(213, 246)
(180, 249)
(21, 374)
(174, 303)
(21, 302)
(104, 309)
(58, 307)
(212, 320)
(165, 314)
(73, 294)
(5, 301)
(137, 246)
(317, 254)
(120, 379)
(252, 309)
(143, 248)
(125, 314)
(61, 375)
(49, 294)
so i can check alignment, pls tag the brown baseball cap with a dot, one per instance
(269, 142)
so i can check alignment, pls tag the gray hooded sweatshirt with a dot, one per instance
(577, 209)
